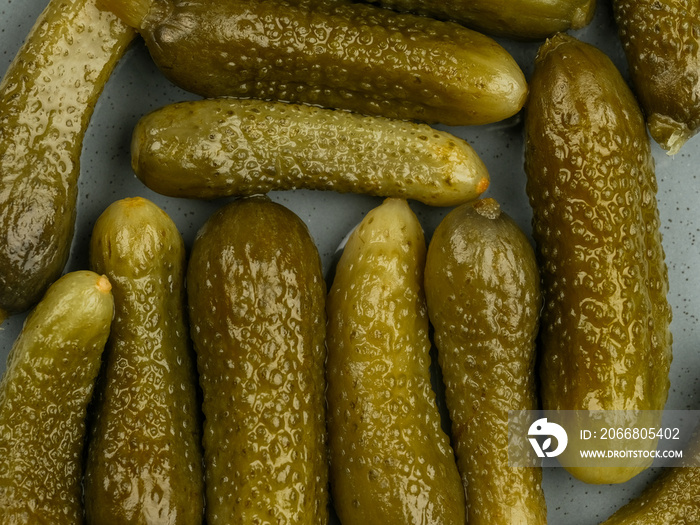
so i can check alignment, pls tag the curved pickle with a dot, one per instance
(46, 100)
(256, 301)
(605, 326)
(482, 288)
(144, 462)
(331, 53)
(216, 148)
(520, 19)
(660, 39)
(44, 394)
(390, 460)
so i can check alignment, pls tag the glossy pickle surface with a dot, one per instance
(331, 53)
(144, 462)
(482, 287)
(661, 39)
(44, 394)
(605, 326)
(390, 460)
(46, 100)
(221, 147)
(256, 301)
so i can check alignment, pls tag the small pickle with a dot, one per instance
(390, 460)
(256, 300)
(331, 53)
(44, 394)
(482, 288)
(605, 327)
(521, 19)
(661, 39)
(46, 100)
(144, 462)
(215, 148)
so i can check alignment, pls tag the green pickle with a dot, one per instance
(390, 460)
(482, 287)
(222, 147)
(331, 53)
(46, 100)
(521, 19)
(660, 40)
(144, 461)
(605, 327)
(44, 395)
(256, 301)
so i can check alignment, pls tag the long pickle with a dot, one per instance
(390, 460)
(482, 288)
(44, 395)
(144, 462)
(605, 327)
(222, 147)
(46, 100)
(332, 53)
(661, 39)
(256, 300)
(521, 19)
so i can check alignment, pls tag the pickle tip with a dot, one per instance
(103, 284)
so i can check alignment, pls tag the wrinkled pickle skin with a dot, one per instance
(605, 326)
(44, 394)
(257, 308)
(390, 460)
(520, 19)
(146, 423)
(672, 499)
(335, 54)
(222, 147)
(483, 293)
(46, 100)
(660, 40)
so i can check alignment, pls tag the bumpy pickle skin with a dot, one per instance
(390, 460)
(605, 327)
(256, 300)
(44, 394)
(520, 19)
(331, 53)
(660, 39)
(222, 147)
(144, 462)
(482, 287)
(46, 100)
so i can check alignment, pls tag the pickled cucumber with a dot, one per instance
(605, 326)
(144, 462)
(660, 39)
(482, 288)
(44, 394)
(332, 53)
(214, 148)
(46, 100)
(256, 301)
(390, 460)
(522, 19)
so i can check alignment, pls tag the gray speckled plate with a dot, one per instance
(137, 87)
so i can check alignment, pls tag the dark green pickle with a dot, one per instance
(144, 462)
(521, 19)
(44, 396)
(257, 314)
(331, 53)
(46, 100)
(605, 326)
(661, 39)
(482, 287)
(221, 147)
